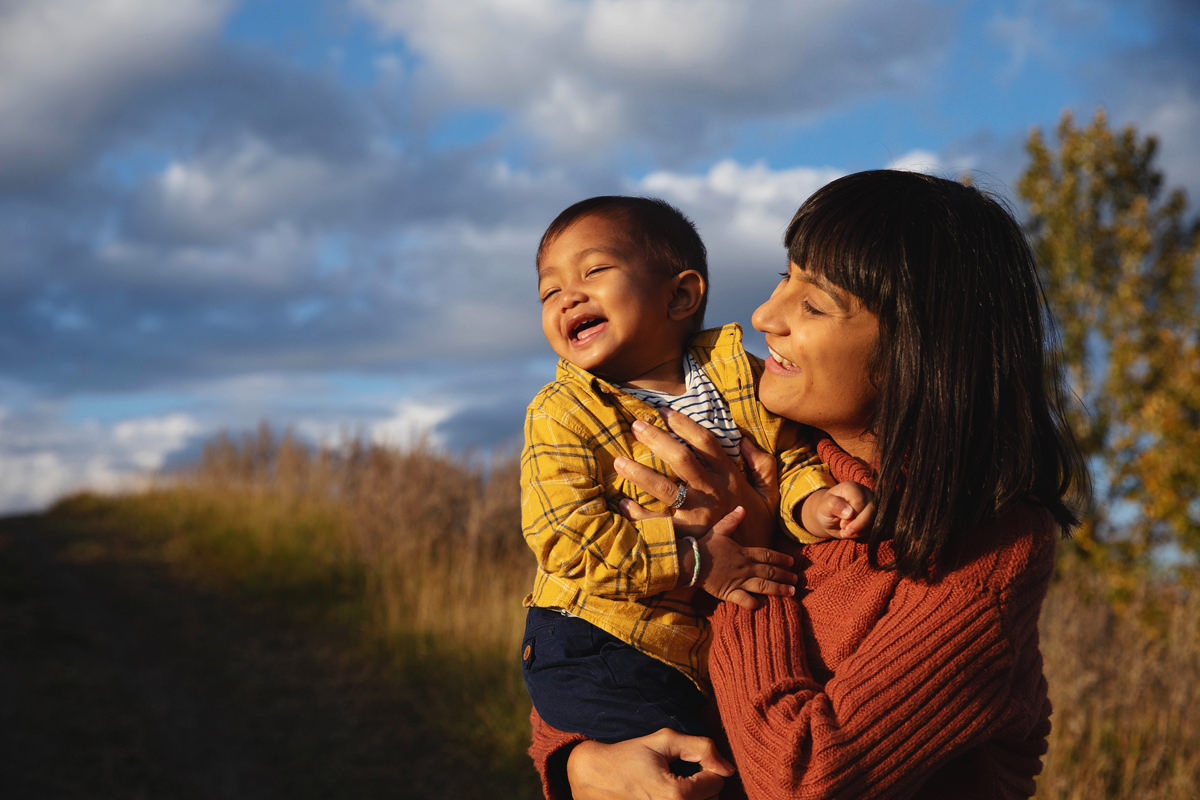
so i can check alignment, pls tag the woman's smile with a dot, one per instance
(821, 340)
(777, 363)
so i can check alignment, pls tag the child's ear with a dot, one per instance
(690, 287)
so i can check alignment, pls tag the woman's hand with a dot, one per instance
(641, 768)
(715, 485)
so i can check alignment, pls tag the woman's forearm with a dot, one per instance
(888, 717)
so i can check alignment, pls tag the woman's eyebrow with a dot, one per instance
(828, 287)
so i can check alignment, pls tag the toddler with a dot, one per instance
(614, 647)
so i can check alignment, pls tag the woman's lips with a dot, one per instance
(780, 365)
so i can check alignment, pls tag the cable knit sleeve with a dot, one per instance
(947, 673)
(549, 750)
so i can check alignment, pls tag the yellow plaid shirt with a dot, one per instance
(596, 564)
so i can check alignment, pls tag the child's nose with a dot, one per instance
(571, 296)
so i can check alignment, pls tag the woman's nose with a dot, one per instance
(763, 318)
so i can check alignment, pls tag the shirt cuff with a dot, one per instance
(658, 535)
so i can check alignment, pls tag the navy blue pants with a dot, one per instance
(583, 680)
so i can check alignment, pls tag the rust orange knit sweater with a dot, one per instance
(867, 685)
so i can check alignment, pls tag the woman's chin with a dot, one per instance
(778, 398)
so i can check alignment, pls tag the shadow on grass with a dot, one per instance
(121, 678)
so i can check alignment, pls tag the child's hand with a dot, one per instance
(839, 512)
(729, 571)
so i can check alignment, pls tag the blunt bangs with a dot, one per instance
(851, 233)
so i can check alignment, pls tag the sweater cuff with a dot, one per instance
(755, 650)
(550, 749)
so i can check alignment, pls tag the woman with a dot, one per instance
(909, 330)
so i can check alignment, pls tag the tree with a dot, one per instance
(1121, 262)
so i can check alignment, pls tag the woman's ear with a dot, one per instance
(688, 296)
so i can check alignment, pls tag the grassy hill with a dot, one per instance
(283, 622)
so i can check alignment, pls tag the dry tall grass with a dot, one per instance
(1122, 657)
(432, 544)
(438, 538)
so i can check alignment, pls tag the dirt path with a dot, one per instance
(116, 681)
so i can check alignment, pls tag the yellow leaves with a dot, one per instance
(1120, 264)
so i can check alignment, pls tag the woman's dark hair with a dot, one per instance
(668, 239)
(971, 400)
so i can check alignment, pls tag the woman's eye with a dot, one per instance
(811, 309)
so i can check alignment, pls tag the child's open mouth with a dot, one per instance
(585, 328)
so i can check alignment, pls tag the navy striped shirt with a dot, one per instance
(702, 402)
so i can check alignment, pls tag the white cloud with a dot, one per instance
(1171, 113)
(918, 161)
(631, 34)
(574, 114)
(244, 185)
(1024, 37)
(147, 442)
(480, 47)
(412, 421)
(663, 73)
(44, 457)
(741, 210)
(65, 65)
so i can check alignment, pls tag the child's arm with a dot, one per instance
(568, 525)
(801, 473)
(841, 512)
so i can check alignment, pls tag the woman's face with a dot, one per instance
(821, 339)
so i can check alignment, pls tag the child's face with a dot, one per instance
(604, 308)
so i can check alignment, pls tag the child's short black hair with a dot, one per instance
(666, 237)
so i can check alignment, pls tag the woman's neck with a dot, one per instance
(860, 445)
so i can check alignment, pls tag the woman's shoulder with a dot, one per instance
(1010, 552)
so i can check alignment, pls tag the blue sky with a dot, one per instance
(323, 214)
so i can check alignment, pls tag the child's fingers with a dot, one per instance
(837, 507)
(742, 599)
(727, 524)
(857, 495)
(859, 524)
(763, 586)
(765, 555)
(768, 578)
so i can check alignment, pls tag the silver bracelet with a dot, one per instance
(695, 559)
